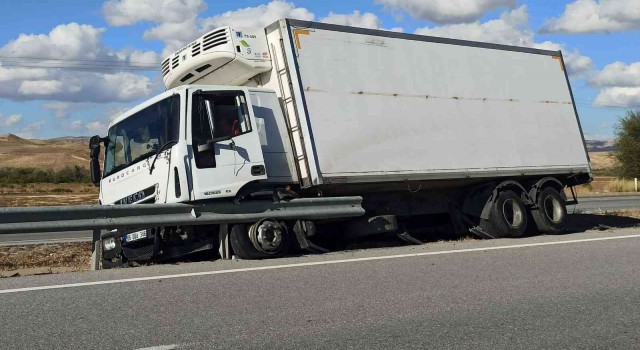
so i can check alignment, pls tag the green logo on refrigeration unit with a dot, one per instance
(244, 43)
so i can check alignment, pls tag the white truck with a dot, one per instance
(416, 125)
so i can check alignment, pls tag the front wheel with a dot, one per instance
(551, 213)
(265, 239)
(507, 218)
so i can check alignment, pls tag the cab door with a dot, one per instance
(226, 153)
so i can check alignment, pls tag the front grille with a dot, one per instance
(175, 62)
(141, 253)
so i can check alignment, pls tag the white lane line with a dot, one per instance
(317, 263)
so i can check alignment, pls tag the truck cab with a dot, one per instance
(195, 143)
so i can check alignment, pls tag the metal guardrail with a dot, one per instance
(97, 217)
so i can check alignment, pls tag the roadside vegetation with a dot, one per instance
(44, 259)
(627, 145)
(614, 172)
(68, 174)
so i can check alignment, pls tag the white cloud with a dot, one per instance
(356, 19)
(72, 86)
(97, 127)
(624, 97)
(66, 41)
(178, 22)
(447, 11)
(29, 131)
(259, 16)
(619, 85)
(73, 46)
(510, 29)
(589, 16)
(618, 74)
(13, 120)
(115, 112)
(58, 108)
(76, 125)
(10, 121)
(40, 87)
(128, 12)
(174, 35)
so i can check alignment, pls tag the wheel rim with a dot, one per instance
(512, 213)
(267, 237)
(553, 209)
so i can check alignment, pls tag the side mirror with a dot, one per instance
(94, 153)
(94, 142)
(94, 165)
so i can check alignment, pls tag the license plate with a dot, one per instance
(134, 236)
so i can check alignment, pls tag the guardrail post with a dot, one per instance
(635, 180)
(95, 255)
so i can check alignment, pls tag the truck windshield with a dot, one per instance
(139, 136)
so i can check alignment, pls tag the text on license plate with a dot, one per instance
(134, 236)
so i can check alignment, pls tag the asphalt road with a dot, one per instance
(571, 291)
(585, 205)
(48, 237)
(608, 203)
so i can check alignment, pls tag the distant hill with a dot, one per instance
(600, 146)
(54, 154)
(57, 153)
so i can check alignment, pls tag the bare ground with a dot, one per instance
(31, 195)
(44, 259)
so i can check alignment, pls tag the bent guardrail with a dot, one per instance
(108, 217)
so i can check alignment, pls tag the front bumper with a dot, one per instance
(116, 251)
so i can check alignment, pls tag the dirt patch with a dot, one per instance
(30, 195)
(602, 160)
(44, 154)
(37, 200)
(44, 258)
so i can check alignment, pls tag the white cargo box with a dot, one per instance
(368, 106)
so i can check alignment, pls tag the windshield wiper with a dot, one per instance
(167, 144)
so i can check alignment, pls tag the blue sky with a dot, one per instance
(68, 67)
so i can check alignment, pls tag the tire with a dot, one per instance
(550, 216)
(507, 218)
(244, 248)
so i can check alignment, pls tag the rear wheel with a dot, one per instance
(551, 213)
(507, 218)
(265, 239)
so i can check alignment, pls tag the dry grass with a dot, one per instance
(32, 195)
(602, 160)
(44, 258)
(627, 213)
(606, 184)
(16, 152)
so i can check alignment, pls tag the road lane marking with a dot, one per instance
(316, 263)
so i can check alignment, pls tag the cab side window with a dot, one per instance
(217, 115)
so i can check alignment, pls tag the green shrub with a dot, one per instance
(68, 174)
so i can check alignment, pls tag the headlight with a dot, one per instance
(109, 243)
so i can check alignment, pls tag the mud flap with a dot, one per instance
(303, 230)
(478, 231)
(405, 236)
